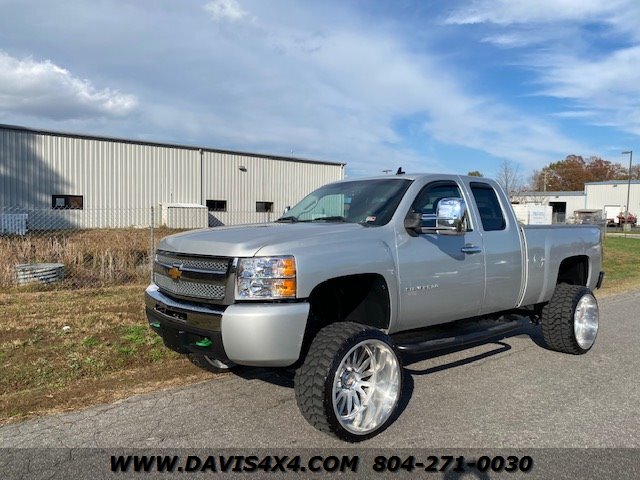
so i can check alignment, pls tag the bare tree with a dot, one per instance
(509, 177)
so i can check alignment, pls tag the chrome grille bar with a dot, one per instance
(219, 265)
(191, 276)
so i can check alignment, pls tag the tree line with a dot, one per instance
(565, 175)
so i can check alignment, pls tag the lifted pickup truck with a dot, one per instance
(363, 271)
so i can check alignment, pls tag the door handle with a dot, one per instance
(470, 249)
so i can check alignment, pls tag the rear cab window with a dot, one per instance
(491, 215)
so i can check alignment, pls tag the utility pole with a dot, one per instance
(545, 180)
(626, 215)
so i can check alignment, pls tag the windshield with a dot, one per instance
(368, 202)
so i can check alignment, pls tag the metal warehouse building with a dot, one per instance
(562, 203)
(610, 197)
(58, 180)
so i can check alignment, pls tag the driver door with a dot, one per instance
(442, 277)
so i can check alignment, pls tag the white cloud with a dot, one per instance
(222, 10)
(600, 84)
(45, 89)
(588, 114)
(607, 88)
(507, 12)
(329, 90)
(317, 81)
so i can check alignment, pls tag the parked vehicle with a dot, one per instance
(361, 273)
(630, 218)
(588, 216)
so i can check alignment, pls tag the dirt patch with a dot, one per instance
(47, 400)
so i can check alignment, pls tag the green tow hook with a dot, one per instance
(155, 324)
(204, 343)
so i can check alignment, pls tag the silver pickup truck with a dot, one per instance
(362, 273)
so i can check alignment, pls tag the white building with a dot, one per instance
(564, 204)
(609, 197)
(62, 180)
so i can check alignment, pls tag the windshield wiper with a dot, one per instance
(335, 218)
(289, 218)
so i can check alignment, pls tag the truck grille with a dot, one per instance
(213, 264)
(182, 288)
(192, 277)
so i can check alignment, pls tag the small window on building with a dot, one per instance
(217, 205)
(67, 202)
(264, 207)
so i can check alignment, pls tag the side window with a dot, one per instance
(488, 207)
(427, 200)
(217, 205)
(264, 207)
(67, 202)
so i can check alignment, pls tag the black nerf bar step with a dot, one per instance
(443, 343)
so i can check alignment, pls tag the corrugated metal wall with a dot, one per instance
(121, 180)
(614, 194)
(265, 180)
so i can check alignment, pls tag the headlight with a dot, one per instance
(266, 278)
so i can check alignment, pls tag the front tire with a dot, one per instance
(570, 320)
(350, 382)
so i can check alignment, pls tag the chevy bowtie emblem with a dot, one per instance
(175, 273)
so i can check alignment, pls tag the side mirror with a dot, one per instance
(450, 216)
(449, 219)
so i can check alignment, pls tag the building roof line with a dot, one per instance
(614, 182)
(165, 144)
(548, 194)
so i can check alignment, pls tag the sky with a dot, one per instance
(446, 86)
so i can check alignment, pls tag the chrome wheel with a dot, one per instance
(585, 321)
(366, 386)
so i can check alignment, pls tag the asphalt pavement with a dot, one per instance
(510, 393)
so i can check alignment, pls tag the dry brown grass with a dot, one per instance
(109, 352)
(95, 258)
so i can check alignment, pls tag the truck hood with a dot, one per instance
(247, 240)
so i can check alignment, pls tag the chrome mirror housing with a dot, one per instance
(450, 216)
(449, 219)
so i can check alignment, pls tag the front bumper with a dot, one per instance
(260, 334)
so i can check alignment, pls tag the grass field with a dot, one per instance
(621, 264)
(110, 353)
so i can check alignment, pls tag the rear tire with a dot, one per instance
(210, 364)
(570, 320)
(350, 382)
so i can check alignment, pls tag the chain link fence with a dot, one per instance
(43, 249)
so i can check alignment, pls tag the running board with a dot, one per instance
(444, 343)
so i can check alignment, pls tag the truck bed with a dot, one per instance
(544, 248)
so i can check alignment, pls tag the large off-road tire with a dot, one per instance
(209, 363)
(350, 382)
(570, 319)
